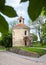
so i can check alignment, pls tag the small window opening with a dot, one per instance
(20, 21)
(25, 32)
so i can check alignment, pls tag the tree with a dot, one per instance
(43, 37)
(39, 22)
(6, 40)
(5, 10)
(36, 7)
(44, 30)
(34, 37)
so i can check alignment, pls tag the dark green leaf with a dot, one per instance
(2, 3)
(44, 11)
(24, 0)
(9, 11)
(35, 8)
(3, 25)
(44, 7)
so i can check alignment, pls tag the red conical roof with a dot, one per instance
(20, 24)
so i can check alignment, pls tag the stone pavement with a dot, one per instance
(8, 58)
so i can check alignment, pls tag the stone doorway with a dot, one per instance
(26, 41)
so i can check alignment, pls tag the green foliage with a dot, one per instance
(39, 45)
(0, 38)
(24, 0)
(6, 40)
(2, 4)
(3, 48)
(35, 8)
(34, 37)
(44, 30)
(7, 10)
(3, 25)
(36, 44)
(43, 37)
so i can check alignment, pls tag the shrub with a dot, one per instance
(44, 41)
(6, 40)
(34, 37)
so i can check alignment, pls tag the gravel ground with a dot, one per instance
(8, 58)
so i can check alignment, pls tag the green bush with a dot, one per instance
(6, 40)
(43, 41)
(43, 37)
(36, 45)
(33, 38)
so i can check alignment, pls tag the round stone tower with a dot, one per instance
(21, 34)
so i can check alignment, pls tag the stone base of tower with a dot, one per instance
(20, 43)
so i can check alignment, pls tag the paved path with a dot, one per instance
(8, 58)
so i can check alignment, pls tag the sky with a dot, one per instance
(20, 8)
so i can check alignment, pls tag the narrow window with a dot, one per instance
(25, 32)
(20, 21)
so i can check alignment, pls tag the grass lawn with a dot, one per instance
(29, 49)
(3, 48)
(38, 45)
